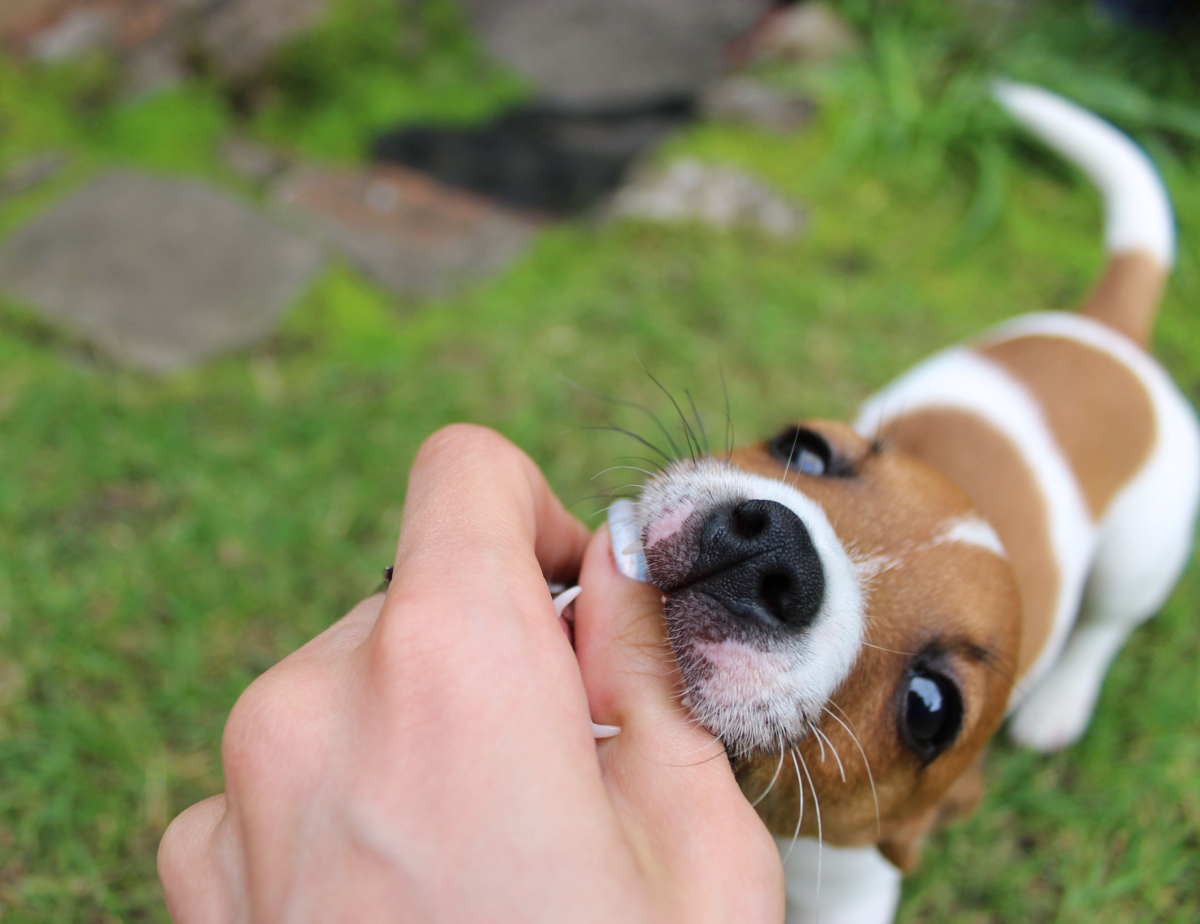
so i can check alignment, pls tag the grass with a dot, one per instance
(162, 542)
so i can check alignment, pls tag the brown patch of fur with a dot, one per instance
(1098, 410)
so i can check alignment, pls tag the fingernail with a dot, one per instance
(605, 731)
(626, 540)
(563, 600)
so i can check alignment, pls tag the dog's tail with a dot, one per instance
(1139, 228)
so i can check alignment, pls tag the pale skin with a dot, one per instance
(429, 757)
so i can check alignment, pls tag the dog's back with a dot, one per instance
(1069, 438)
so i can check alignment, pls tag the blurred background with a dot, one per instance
(252, 252)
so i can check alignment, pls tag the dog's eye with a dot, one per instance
(932, 714)
(802, 450)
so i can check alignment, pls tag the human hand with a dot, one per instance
(429, 756)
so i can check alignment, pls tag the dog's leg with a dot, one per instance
(856, 884)
(1144, 543)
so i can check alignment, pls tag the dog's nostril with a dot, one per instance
(774, 590)
(749, 522)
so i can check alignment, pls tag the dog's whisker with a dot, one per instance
(701, 750)
(728, 417)
(836, 756)
(641, 439)
(699, 421)
(688, 434)
(812, 728)
(791, 455)
(621, 402)
(771, 785)
(666, 433)
(651, 462)
(617, 468)
(800, 818)
(866, 763)
(608, 496)
(820, 833)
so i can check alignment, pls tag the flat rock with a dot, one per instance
(612, 52)
(255, 163)
(240, 36)
(158, 42)
(748, 102)
(30, 174)
(716, 196)
(809, 31)
(404, 229)
(159, 273)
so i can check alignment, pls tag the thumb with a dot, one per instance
(628, 667)
(669, 779)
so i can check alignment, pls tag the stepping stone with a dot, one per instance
(810, 32)
(158, 41)
(30, 174)
(404, 229)
(612, 52)
(718, 197)
(159, 273)
(742, 101)
(240, 36)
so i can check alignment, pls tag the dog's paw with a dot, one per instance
(1057, 712)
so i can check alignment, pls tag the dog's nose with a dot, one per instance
(757, 561)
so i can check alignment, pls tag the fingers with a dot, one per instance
(468, 609)
(475, 507)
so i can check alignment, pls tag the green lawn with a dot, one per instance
(162, 542)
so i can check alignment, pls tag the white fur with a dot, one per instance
(1136, 206)
(855, 886)
(971, 530)
(959, 379)
(805, 669)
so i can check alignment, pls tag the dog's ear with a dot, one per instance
(902, 846)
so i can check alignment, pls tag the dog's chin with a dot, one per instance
(753, 693)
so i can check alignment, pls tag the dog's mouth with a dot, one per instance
(763, 606)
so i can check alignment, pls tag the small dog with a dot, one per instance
(977, 545)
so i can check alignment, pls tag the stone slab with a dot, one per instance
(592, 53)
(810, 31)
(159, 41)
(159, 273)
(743, 101)
(240, 36)
(404, 229)
(719, 197)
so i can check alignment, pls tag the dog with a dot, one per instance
(855, 609)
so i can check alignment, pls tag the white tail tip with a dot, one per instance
(1136, 206)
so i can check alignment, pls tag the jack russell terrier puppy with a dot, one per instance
(855, 609)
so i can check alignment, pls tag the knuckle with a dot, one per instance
(255, 726)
